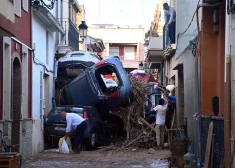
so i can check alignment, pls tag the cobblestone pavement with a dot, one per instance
(137, 158)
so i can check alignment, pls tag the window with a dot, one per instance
(25, 5)
(129, 53)
(17, 7)
(113, 51)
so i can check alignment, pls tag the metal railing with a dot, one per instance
(71, 34)
(166, 39)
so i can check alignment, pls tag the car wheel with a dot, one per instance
(91, 143)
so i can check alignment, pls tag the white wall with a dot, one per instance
(184, 14)
(39, 38)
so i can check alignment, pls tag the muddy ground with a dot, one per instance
(135, 158)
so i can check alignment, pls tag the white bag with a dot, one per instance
(64, 147)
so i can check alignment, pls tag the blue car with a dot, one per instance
(104, 85)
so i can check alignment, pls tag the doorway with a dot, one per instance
(16, 103)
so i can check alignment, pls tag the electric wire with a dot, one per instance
(41, 64)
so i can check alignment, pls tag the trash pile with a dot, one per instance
(139, 133)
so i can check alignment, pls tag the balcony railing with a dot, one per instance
(72, 34)
(166, 39)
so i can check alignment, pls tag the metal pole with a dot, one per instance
(198, 115)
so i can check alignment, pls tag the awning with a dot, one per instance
(51, 22)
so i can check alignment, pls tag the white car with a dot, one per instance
(72, 65)
(75, 62)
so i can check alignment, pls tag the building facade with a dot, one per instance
(16, 75)
(45, 26)
(127, 43)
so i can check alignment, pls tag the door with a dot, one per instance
(16, 103)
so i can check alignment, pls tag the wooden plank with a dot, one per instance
(208, 145)
(222, 160)
(232, 161)
(212, 150)
(146, 123)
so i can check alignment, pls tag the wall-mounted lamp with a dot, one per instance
(141, 65)
(146, 43)
(82, 31)
(41, 3)
(193, 47)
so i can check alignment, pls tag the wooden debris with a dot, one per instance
(208, 145)
(139, 132)
(222, 160)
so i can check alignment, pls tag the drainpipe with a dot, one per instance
(228, 138)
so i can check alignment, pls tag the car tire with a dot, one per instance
(91, 141)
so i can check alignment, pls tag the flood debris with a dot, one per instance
(139, 133)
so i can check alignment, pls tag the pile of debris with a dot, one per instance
(139, 133)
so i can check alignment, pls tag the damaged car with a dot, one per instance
(70, 66)
(104, 85)
(96, 133)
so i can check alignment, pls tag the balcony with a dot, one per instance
(154, 52)
(166, 38)
(168, 47)
(71, 35)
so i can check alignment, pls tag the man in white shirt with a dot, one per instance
(170, 19)
(77, 123)
(160, 121)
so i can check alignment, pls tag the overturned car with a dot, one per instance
(104, 85)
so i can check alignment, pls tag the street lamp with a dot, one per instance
(141, 65)
(41, 3)
(82, 31)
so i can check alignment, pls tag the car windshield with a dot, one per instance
(77, 110)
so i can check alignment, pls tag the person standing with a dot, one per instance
(160, 121)
(170, 19)
(77, 123)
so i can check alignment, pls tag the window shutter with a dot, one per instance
(25, 5)
(129, 53)
(17, 7)
(113, 51)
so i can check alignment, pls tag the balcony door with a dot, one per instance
(113, 51)
(129, 53)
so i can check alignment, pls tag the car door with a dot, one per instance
(82, 91)
(99, 124)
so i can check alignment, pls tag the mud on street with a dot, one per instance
(135, 158)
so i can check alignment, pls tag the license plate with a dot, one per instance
(60, 129)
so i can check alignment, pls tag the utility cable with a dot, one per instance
(180, 34)
(41, 64)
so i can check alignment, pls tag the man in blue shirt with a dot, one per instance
(170, 19)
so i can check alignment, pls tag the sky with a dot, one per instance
(120, 12)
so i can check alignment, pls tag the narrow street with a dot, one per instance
(137, 158)
(131, 83)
